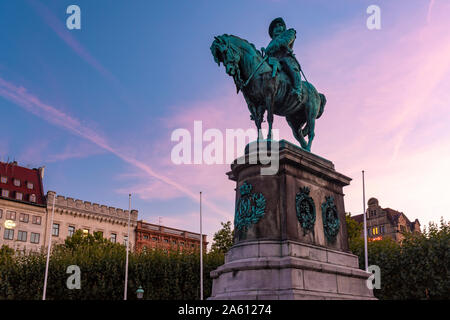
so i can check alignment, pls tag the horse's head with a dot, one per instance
(223, 50)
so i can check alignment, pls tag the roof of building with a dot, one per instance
(392, 215)
(358, 218)
(29, 183)
(372, 201)
(167, 230)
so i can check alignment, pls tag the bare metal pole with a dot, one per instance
(366, 263)
(48, 249)
(201, 250)
(128, 246)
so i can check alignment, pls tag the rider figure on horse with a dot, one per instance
(280, 50)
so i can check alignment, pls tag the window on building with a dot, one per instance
(125, 240)
(22, 236)
(34, 237)
(9, 234)
(85, 231)
(155, 239)
(16, 182)
(113, 237)
(36, 220)
(30, 185)
(23, 217)
(5, 193)
(55, 229)
(71, 230)
(10, 215)
(145, 236)
(402, 228)
(182, 243)
(4, 179)
(19, 196)
(174, 241)
(374, 231)
(166, 240)
(32, 197)
(382, 229)
(192, 245)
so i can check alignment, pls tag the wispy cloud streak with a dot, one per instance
(32, 104)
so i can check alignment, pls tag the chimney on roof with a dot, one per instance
(41, 172)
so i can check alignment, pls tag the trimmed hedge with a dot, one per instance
(163, 276)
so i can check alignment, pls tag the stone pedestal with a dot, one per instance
(290, 233)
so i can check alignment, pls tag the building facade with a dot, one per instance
(74, 214)
(152, 236)
(386, 223)
(23, 207)
(26, 217)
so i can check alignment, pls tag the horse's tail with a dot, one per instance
(323, 101)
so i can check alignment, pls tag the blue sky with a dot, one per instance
(136, 69)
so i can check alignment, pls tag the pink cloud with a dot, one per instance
(387, 111)
(430, 8)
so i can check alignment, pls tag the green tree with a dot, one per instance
(223, 239)
(416, 268)
(6, 253)
(80, 240)
(354, 228)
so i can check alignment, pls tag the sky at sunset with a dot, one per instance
(97, 106)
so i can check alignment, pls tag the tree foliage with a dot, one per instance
(416, 268)
(163, 276)
(223, 239)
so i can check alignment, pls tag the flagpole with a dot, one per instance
(48, 249)
(365, 225)
(201, 250)
(128, 246)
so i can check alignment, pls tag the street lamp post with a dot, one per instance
(48, 249)
(128, 246)
(365, 224)
(201, 250)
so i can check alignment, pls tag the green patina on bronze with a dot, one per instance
(270, 80)
(306, 210)
(330, 219)
(249, 209)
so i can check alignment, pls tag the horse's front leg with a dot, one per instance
(269, 108)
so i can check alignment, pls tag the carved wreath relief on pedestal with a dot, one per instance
(330, 219)
(249, 208)
(306, 210)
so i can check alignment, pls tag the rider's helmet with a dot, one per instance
(274, 23)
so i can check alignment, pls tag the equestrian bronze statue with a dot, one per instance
(270, 80)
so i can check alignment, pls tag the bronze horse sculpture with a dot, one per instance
(265, 90)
